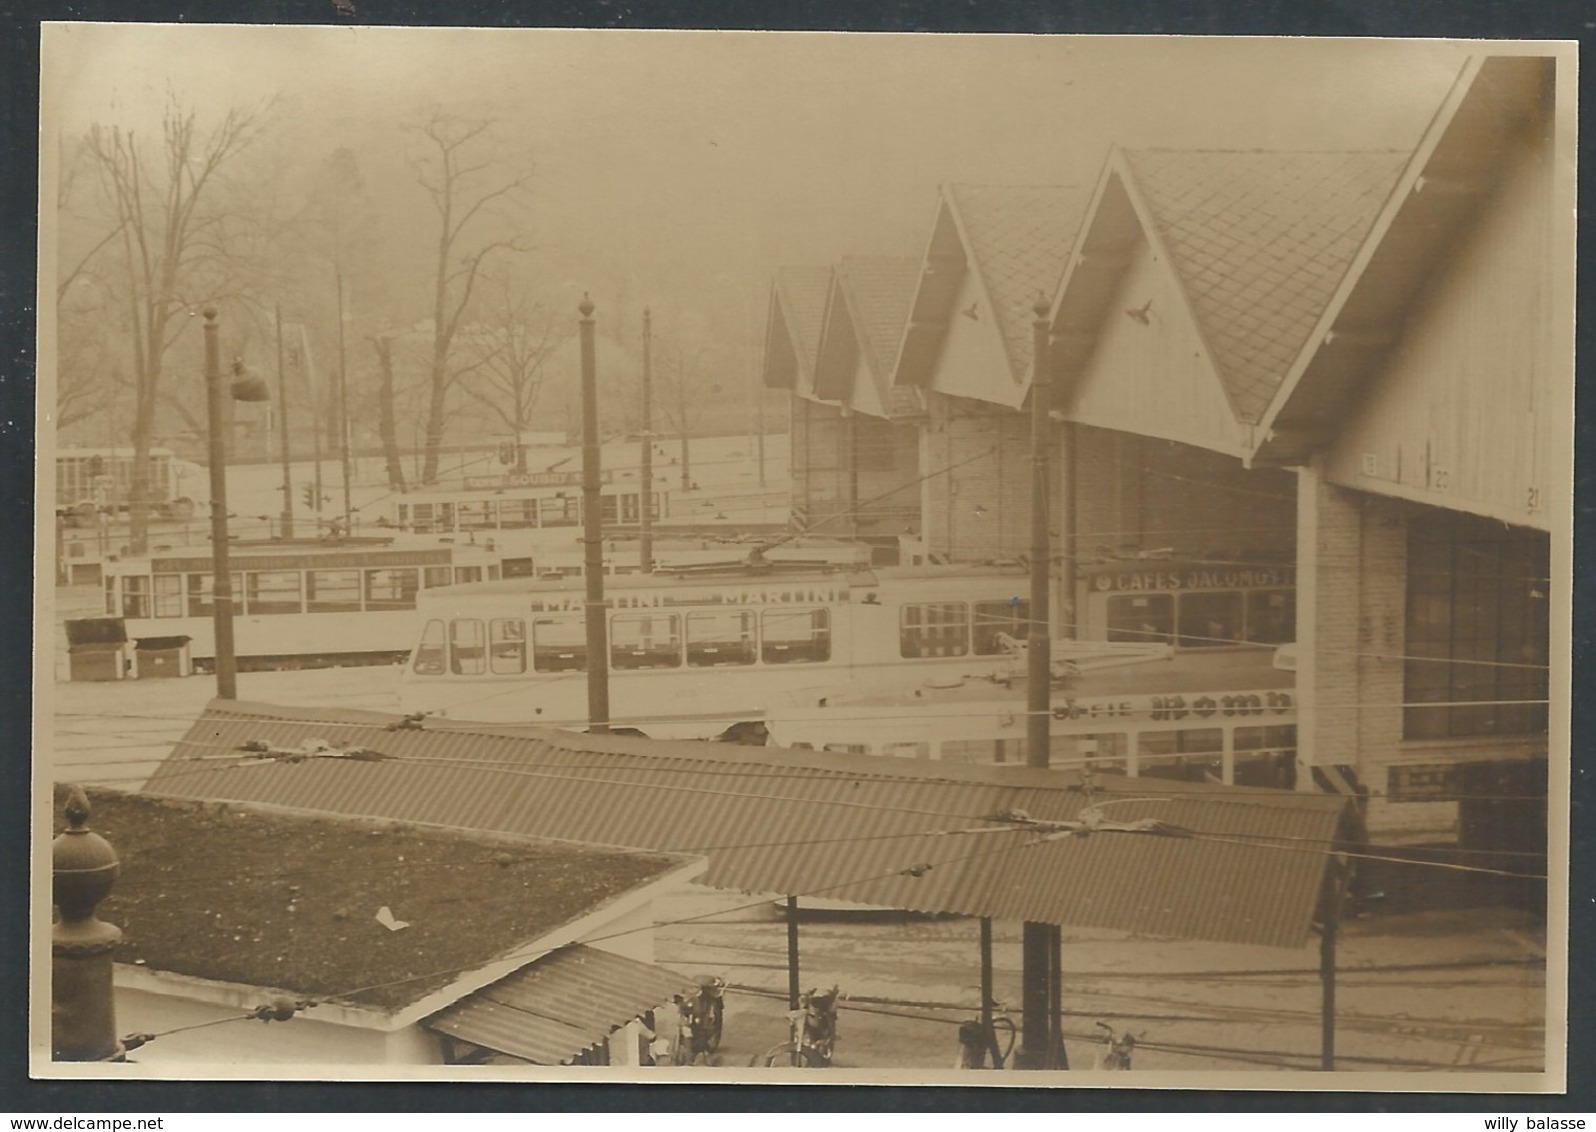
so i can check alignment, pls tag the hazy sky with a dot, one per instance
(693, 164)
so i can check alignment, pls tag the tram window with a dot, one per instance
(135, 596)
(404, 516)
(995, 618)
(847, 748)
(646, 640)
(466, 653)
(429, 653)
(559, 644)
(906, 750)
(721, 636)
(969, 751)
(607, 509)
(463, 574)
(478, 515)
(110, 597)
(1271, 617)
(445, 520)
(1192, 755)
(515, 514)
(795, 636)
(934, 629)
(423, 518)
(168, 595)
(507, 646)
(1144, 618)
(272, 591)
(560, 511)
(1210, 620)
(432, 576)
(630, 512)
(199, 594)
(333, 591)
(391, 588)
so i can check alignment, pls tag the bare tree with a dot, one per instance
(387, 417)
(467, 185)
(513, 344)
(172, 249)
(680, 381)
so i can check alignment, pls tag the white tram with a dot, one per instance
(694, 655)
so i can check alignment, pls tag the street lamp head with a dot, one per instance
(585, 306)
(248, 386)
(210, 314)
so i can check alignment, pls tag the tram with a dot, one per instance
(696, 654)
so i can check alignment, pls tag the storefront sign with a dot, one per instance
(1428, 782)
(1195, 578)
(1169, 708)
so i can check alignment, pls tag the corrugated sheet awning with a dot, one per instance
(896, 832)
(550, 1011)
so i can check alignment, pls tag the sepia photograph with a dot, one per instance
(802, 558)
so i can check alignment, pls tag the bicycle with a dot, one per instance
(1117, 1049)
(813, 1029)
(990, 1036)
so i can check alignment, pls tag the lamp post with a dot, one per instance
(246, 387)
(598, 676)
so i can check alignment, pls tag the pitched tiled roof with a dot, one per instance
(1019, 239)
(290, 900)
(570, 1000)
(801, 293)
(881, 290)
(858, 828)
(1260, 241)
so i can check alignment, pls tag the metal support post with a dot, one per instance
(645, 544)
(221, 568)
(598, 675)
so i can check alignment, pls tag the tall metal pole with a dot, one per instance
(793, 982)
(598, 673)
(343, 399)
(1327, 967)
(645, 543)
(282, 428)
(221, 569)
(1037, 948)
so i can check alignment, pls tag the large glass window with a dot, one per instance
(997, 619)
(135, 596)
(1193, 755)
(1272, 617)
(478, 514)
(200, 603)
(465, 574)
(559, 644)
(272, 591)
(939, 628)
(1143, 618)
(1266, 756)
(1210, 621)
(720, 636)
(795, 636)
(391, 588)
(432, 576)
(607, 510)
(1477, 633)
(168, 595)
(333, 591)
(429, 659)
(507, 646)
(645, 640)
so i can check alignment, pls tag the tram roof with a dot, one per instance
(890, 832)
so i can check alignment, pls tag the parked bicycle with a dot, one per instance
(986, 1042)
(813, 1028)
(1116, 1050)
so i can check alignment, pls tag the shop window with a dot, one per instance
(1210, 621)
(720, 637)
(1142, 618)
(1193, 755)
(934, 629)
(795, 636)
(1478, 629)
(1271, 617)
(645, 640)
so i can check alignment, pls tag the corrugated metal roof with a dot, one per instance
(1019, 239)
(1260, 241)
(549, 1011)
(865, 317)
(858, 828)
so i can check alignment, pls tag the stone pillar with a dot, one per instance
(1329, 553)
(82, 1013)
